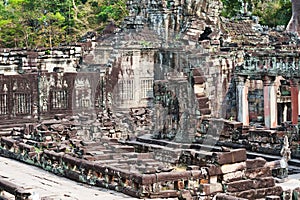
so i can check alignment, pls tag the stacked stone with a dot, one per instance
(141, 117)
(29, 60)
(241, 177)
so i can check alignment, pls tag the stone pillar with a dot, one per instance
(242, 100)
(294, 100)
(270, 102)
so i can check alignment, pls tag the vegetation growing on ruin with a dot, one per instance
(34, 23)
(271, 13)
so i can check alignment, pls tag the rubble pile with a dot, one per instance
(141, 117)
(157, 172)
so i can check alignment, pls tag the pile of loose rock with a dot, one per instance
(160, 170)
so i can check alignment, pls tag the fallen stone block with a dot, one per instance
(173, 176)
(227, 168)
(248, 194)
(257, 173)
(255, 163)
(234, 156)
(144, 179)
(238, 186)
(234, 176)
(263, 192)
(208, 189)
(264, 182)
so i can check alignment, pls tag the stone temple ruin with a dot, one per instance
(152, 108)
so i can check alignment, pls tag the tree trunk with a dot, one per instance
(294, 24)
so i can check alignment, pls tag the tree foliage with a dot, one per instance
(33, 23)
(270, 12)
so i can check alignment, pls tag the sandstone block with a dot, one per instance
(248, 194)
(234, 156)
(208, 189)
(264, 182)
(234, 176)
(259, 172)
(261, 193)
(214, 170)
(173, 176)
(255, 163)
(238, 186)
(227, 168)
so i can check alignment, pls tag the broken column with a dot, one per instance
(242, 100)
(270, 102)
(294, 101)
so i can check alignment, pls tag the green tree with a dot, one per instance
(31, 23)
(270, 12)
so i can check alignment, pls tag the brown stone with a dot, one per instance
(227, 168)
(263, 192)
(165, 194)
(234, 156)
(214, 170)
(264, 182)
(238, 186)
(197, 174)
(234, 176)
(257, 173)
(255, 163)
(173, 176)
(186, 195)
(144, 179)
(208, 189)
(248, 194)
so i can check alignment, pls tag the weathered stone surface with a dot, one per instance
(234, 156)
(255, 163)
(173, 176)
(263, 192)
(234, 176)
(259, 172)
(165, 194)
(214, 170)
(208, 189)
(264, 182)
(144, 179)
(185, 194)
(238, 186)
(248, 194)
(227, 168)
